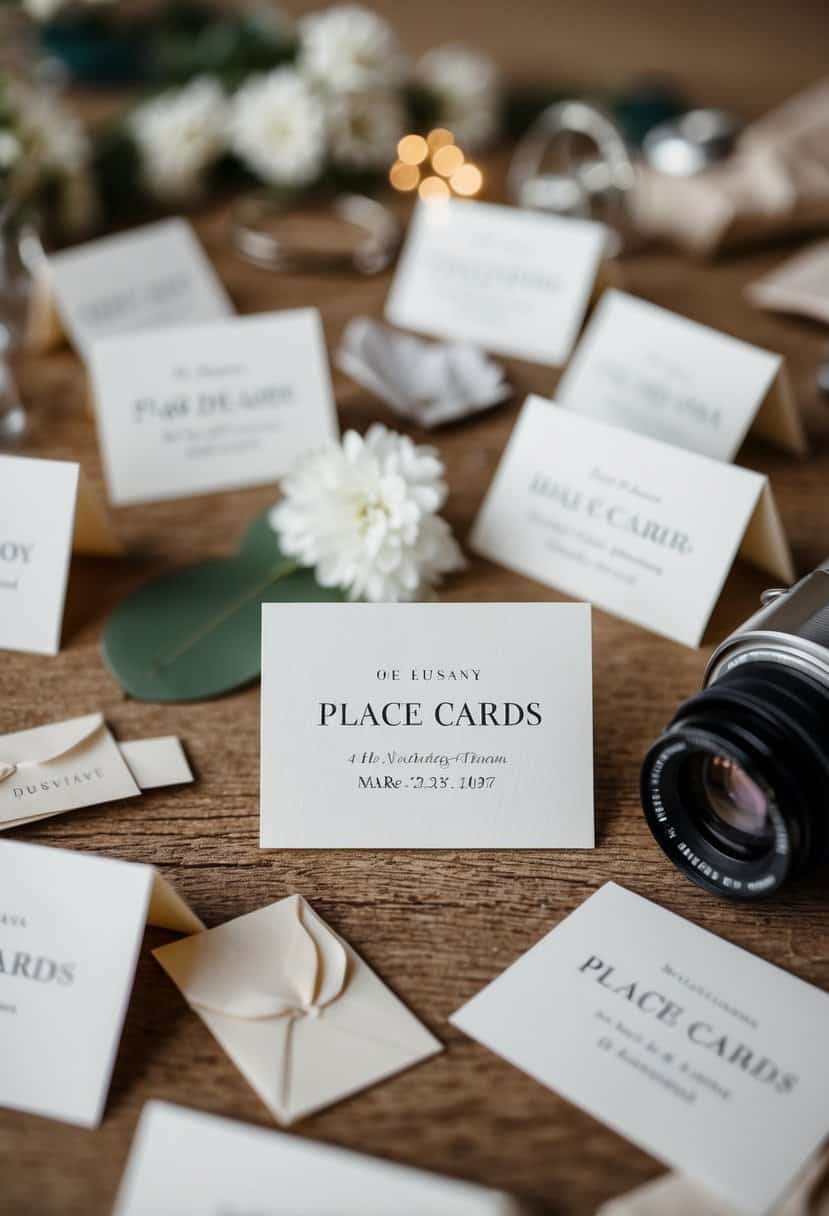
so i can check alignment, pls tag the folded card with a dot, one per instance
(800, 285)
(303, 1018)
(426, 726)
(697, 1051)
(211, 407)
(67, 765)
(511, 281)
(71, 926)
(150, 277)
(652, 371)
(641, 528)
(184, 1163)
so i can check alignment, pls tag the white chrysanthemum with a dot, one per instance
(364, 129)
(277, 128)
(180, 135)
(363, 514)
(348, 49)
(464, 85)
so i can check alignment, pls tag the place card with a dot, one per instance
(800, 285)
(695, 1050)
(64, 766)
(303, 1018)
(211, 407)
(148, 278)
(652, 371)
(47, 510)
(184, 1162)
(71, 926)
(426, 726)
(640, 528)
(509, 280)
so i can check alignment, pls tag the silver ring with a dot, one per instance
(371, 254)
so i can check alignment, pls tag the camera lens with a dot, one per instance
(736, 791)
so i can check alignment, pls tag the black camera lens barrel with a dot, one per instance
(770, 719)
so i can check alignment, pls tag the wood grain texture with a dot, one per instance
(436, 926)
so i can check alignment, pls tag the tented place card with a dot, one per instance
(211, 407)
(47, 510)
(151, 277)
(800, 285)
(695, 1050)
(426, 726)
(641, 528)
(304, 1019)
(652, 371)
(512, 281)
(184, 1162)
(63, 766)
(71, 926)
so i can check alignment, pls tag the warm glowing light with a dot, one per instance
(439, 138)
(467, 180)
(447, 160)
(432, 188)
(404, 177)
(412, 149)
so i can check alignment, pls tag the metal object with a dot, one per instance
(695, 141)
(791, 628)
(371, 254)
(595, 185)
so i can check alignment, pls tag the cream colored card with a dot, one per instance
(186, 1163)
(800, 285)
(640, 528)
(217, 406)
(64, 766)
(649, 370)
(71, 926)
(426, 726)
(509, 280)
(700, 1053)
(303, 1018)
(150, 277)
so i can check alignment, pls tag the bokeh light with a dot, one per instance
(447, 160)
(403, 176)
(412, 150)
(433, 188)
(439, 138)
(467, 180)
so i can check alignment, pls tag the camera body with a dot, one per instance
(736, 789)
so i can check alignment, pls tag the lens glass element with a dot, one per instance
(730, 807)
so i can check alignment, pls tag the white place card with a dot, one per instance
(211, 407)
(700, 1053)
(47, 510)
(643, 368)
(184, 1162)
(640, 528)
(426, 726)
(512, 281)
(71, 926)
(148, 278)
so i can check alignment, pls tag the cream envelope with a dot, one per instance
(304, 1019)
(67, 765)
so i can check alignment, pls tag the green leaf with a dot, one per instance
(195, 633)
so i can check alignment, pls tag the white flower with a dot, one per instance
(277, 128)
(364, 515)
(464, 85)
(179, 135)
(51, 147)
(349, 49)
(9, 150)
(364, 129)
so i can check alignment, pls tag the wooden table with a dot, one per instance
(436, 925)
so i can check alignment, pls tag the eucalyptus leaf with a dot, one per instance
(195, 633)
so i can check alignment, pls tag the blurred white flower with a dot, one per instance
(42, 148)
(465, 87)
(364, 128)
(180, 134)
(9, 150)
(277, 128)
(348, 48)
(364, 515)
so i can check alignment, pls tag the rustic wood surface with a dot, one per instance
(437, 926)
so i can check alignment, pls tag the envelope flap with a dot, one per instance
(43, 744)
(281, 960)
